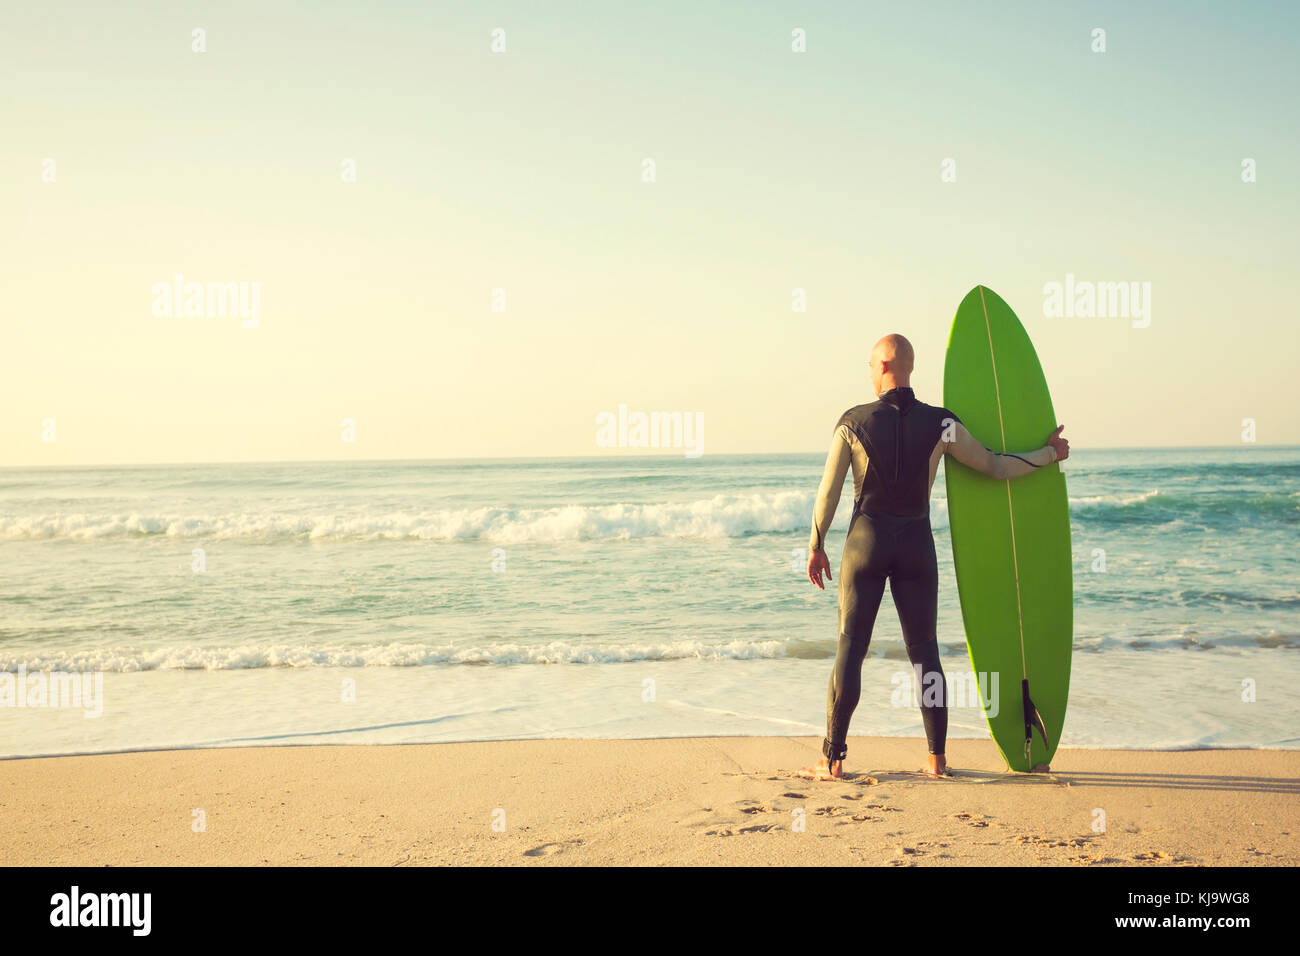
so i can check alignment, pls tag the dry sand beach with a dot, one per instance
(722, 800)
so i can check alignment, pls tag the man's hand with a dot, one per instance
(819, 564)
(1060, 444)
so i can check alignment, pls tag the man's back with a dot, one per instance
(892, 444)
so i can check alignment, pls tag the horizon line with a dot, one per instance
(539, 458)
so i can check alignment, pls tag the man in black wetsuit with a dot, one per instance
(894, 445)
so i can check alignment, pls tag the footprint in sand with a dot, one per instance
(547, 849)
(756, 809)
(841, 811)
(758, 828)
(1044, 841)
(1160, 856)
(972, 819)
(857, 779)
(904, 854)
(1256, 851)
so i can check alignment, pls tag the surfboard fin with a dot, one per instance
(1032, 719)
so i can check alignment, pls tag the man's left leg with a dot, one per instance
(915, 589)
(862, 585)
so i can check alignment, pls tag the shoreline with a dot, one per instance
(655, 801)
(166, 748)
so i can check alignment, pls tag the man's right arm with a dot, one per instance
(828, 496)
(972, 454)
(828, 492)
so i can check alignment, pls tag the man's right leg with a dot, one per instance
(862, 583)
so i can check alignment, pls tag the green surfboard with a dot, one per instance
(1010, 539)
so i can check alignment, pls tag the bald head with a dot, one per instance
(892, 359)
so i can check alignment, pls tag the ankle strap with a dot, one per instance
(833, 753)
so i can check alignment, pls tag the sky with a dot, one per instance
(910, 152)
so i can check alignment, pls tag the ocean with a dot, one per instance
(422, 601)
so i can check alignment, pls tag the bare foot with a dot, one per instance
(1042, 768)
(938, 766)
(833, 770)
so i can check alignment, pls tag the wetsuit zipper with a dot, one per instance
(898, 449)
